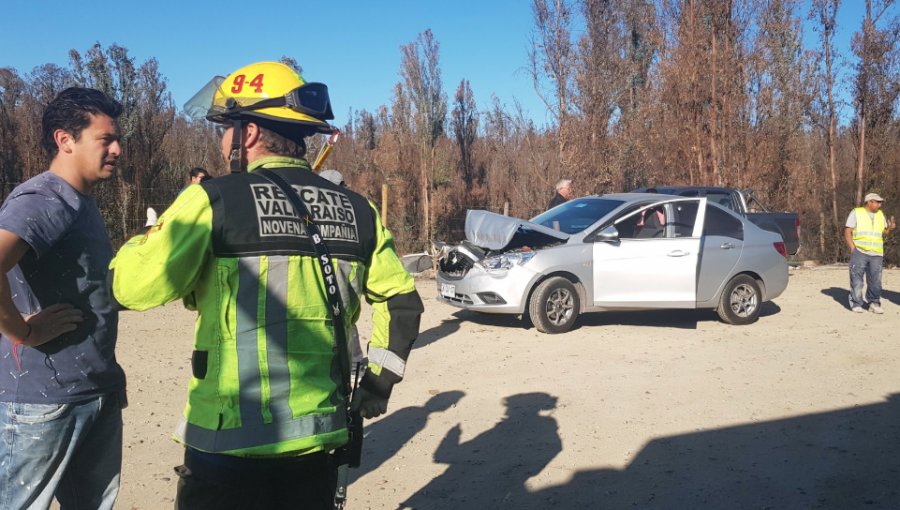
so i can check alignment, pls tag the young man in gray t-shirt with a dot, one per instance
(61, 389)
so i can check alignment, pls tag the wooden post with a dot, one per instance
(384, 201)
(506, 208)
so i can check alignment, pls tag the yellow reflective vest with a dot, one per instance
(868, 234)
(265, 367)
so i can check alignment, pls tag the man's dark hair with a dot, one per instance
(70, 111)
(194, 172)
(278, 144)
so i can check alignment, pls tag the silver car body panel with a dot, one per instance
(689, 271)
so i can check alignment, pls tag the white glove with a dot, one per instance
(151, 217)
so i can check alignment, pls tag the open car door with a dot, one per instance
(648, 258)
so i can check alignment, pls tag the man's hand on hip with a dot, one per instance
(51, 322)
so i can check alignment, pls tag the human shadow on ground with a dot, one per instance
(490, 470)
(842, 296)
(839, 295)
(385, 437)
(889, 295)
(451, 325)
(843, 459)
(446, 328)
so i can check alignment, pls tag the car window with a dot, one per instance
(576, 215)
(675, 219)
(721, 223)
(722, 198)
(647, 224)
(684, 215)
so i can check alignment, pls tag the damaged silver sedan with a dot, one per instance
(629, 251)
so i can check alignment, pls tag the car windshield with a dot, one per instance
(576, 215)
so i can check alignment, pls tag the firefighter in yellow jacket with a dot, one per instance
(265, 405)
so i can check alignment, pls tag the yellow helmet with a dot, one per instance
(266, 90)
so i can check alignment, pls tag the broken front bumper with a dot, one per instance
(489, 291)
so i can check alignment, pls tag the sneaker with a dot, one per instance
(876, 308)
(857, 309)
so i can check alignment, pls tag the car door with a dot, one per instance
(634, 270)
(723, 242)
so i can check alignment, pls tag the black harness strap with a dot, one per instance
(236, 155)
(345, 457)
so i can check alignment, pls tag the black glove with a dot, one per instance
(368, 404)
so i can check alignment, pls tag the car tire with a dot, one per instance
(741, 301)
(554, 305)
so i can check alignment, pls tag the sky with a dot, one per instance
(352, 46)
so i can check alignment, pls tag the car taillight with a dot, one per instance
(797, 226)
(779, 247)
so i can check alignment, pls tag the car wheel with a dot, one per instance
(554, 305)
(740, 301)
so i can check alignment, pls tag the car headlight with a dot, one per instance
(507, 260)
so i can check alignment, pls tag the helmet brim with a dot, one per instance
(286, 115)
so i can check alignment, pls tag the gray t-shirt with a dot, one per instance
(851, 223)
(67, 263)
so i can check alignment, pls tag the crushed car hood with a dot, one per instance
(497, 232)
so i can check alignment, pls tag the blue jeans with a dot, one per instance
(71, 451)
(868, 266)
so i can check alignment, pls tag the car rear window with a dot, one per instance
(721, 223)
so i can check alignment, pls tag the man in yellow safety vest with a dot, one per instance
(864, 232)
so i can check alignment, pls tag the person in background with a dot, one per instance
(564, 193)
(197, 175)
(333, 176)
(864, 233)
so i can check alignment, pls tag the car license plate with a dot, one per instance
(448, 291)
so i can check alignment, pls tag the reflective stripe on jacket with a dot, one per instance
(265, 368)
(868, 234)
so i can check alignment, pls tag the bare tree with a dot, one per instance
(422, 81)
(148, 114)
(640, 92)
(551, 58)
(292, 63)
(12, 89)
(825, 13)
(464, 124)
(873, 48)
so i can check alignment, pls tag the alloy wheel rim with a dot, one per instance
(744, 300)
(560, 306)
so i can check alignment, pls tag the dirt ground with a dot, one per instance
(629, 410)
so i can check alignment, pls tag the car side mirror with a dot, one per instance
(608, 235)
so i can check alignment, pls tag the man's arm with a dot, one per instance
(41, 327)
(848, 236)
(397, 308)
(165, 263)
